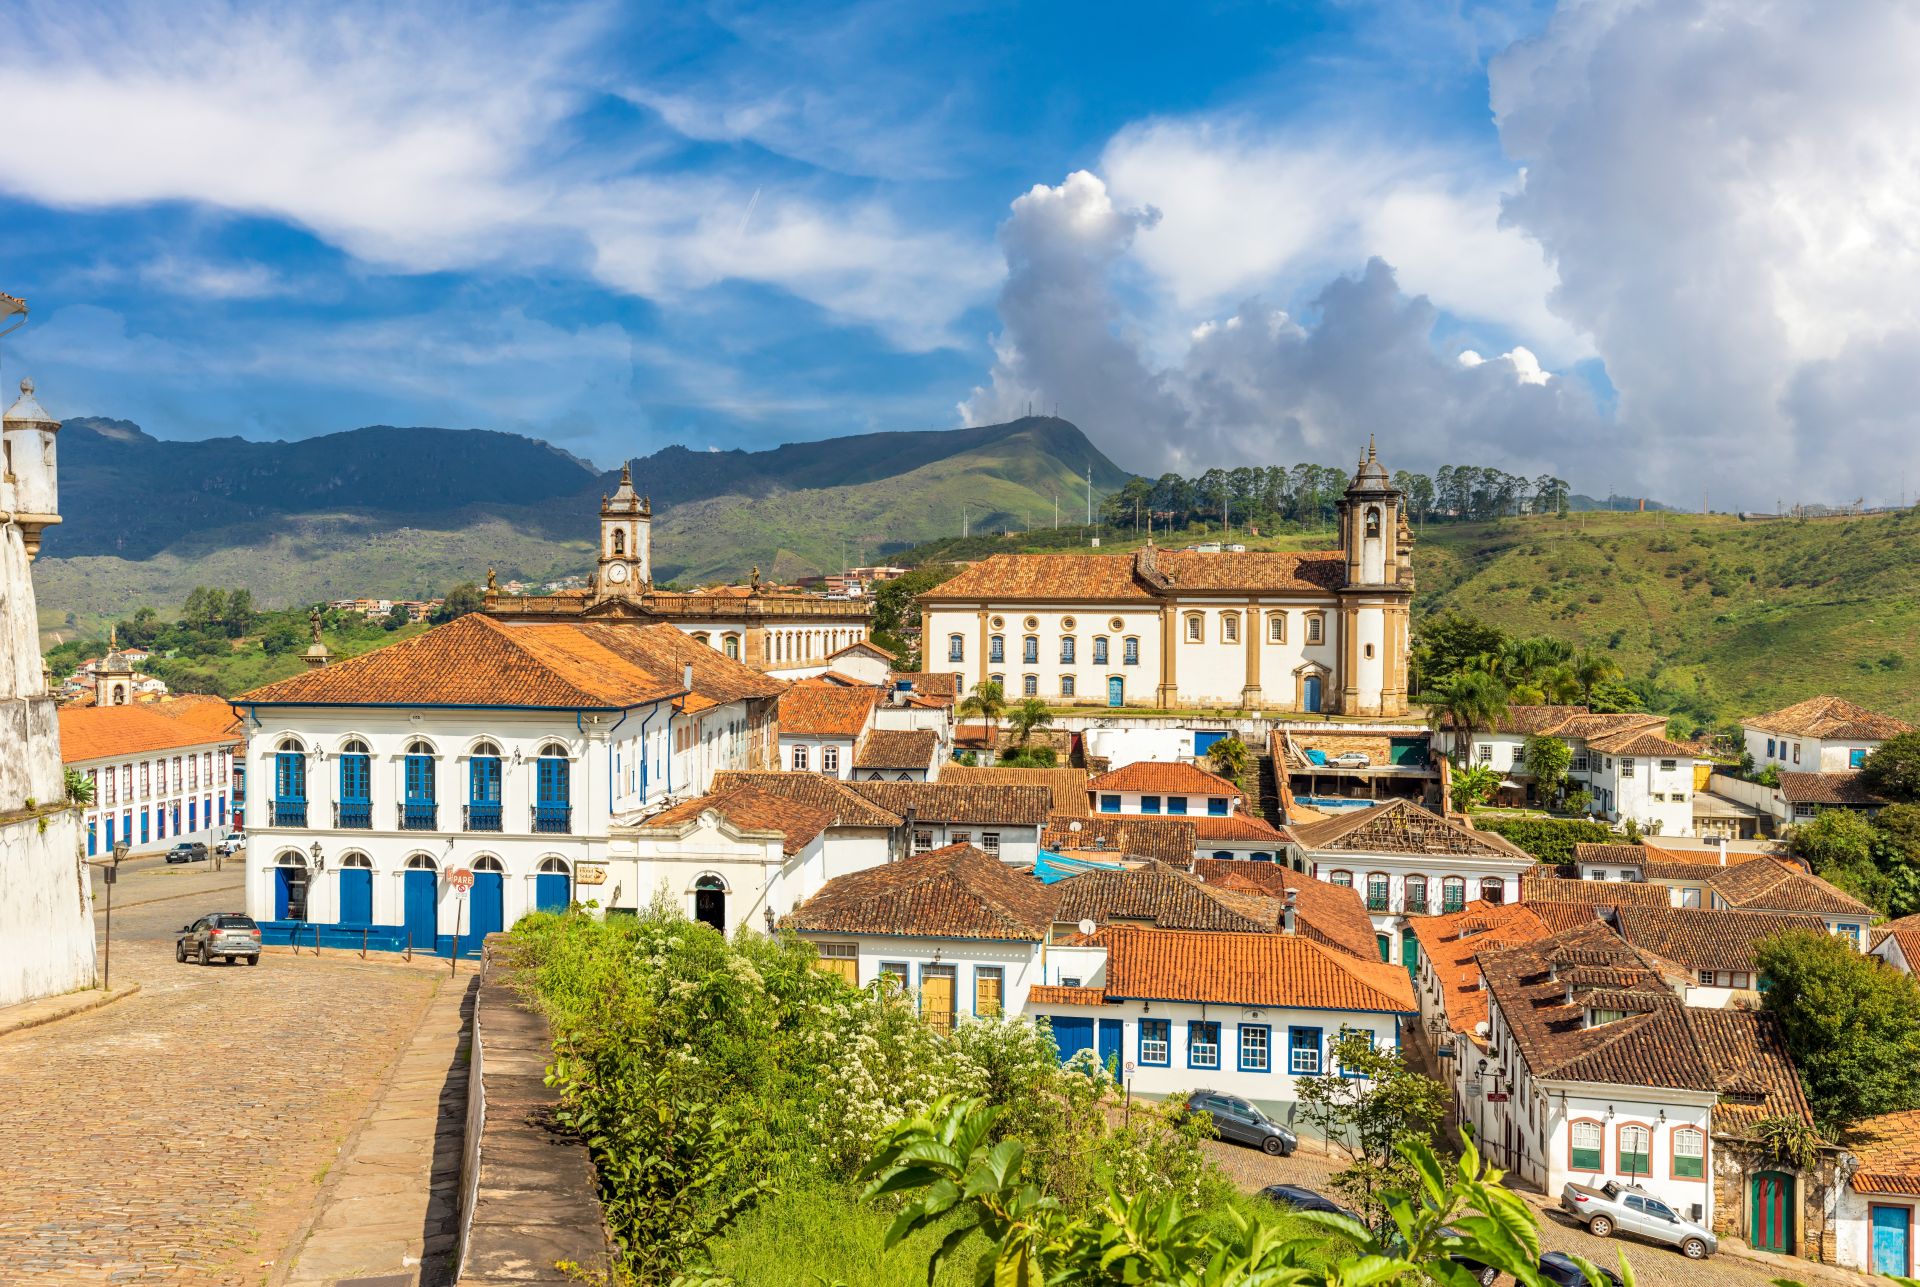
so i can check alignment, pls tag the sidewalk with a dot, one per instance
(388, 1214)
(31, 1014)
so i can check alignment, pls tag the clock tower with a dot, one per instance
(626, 542)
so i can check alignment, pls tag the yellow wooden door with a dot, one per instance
(936, 997)
(986, 995)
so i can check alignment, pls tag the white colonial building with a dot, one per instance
(1819, 735)
(161, 771)
(508, 750)
(1323, 631)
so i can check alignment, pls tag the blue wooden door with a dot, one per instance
(356, 896)
(486, 906)
(1072, 1035)
(1203, 740)
(1892, 1240)
(1116, 691)
(282, 889)
(1311, 700)
(1110, 1045)
(422, 899)
(550, 892)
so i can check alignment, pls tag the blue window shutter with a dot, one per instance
(1216, 807)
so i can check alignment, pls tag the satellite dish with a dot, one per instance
(1087, 926)
(1073, 826)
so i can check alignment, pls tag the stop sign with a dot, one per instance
(461, 879)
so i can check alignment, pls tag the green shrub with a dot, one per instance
(1551, 840)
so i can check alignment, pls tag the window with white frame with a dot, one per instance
(830, 759)
(1669, 766)
(1585, 1141)
(1029, 685)
(990, 842)
(1303, 1052)
(1203, 1044)
(1689, 1154)
(800, 759)
(1156, 1042)
(1255, 1047)
(922, 841)
(1626, 767)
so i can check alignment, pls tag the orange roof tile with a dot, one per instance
(952, 892)
(751, 809)
(897, 748)
(1888, 1147)
(1248, 969)
(118, 732)
(1050, 994)
(1825, 717)
(824, 710)
(1451, 942)
(1068, 786)
(1175, 777)
(1142, 576)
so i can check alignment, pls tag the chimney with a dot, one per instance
(1723, 851)
(1287, 913)
(686, 677)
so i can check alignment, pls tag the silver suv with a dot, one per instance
(226, 936)
(1630, 1209)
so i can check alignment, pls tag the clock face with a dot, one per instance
(617, 573)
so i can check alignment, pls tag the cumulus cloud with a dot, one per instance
(1258, 385)
(1726, 189)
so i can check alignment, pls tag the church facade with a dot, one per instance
(786, 635)
(1318, 631)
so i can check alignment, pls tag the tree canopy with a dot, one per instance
(1893, 770)
(1851, 1022)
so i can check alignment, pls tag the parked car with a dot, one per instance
(188, 851)
(1241, 1122)
(1307, 1200)
(231, 845)
(1485, 1275)
(1630, 1209)
(1352, 760)
(1558, 1267)
(228, 936)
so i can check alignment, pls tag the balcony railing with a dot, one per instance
(483, 815)
(418, 815)
(1416, 904)
(353, 815)
(289, 813)
(552, 819)
(1376, 902)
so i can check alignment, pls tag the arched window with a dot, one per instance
(289, 784)
(1453, 894)
(552, 885)
(487, 862)
(553, 790)
(553, 866)
(419, 811)
(1636, 1150)
(1344, 879)
(1066, 650)
(1378, 888)
(356, 860)
(1373, 520)
(733, 647)
(700, 637)
(355, 810)
(1030, 650)
(483, 788)
(1029, 685)
(1586, 1150)
(119, 695)
(1130, 651)
(1689, 1154)
(956, 648)
(619, 543)
(1416, 891)
(422, 862)
(290, 886)
(710, 902)
(1099, 650)
(1493, 890)
(800, 759)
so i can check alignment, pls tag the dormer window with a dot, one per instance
(1598, 1015)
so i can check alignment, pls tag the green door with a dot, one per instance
(1410, 953)
(1773, 1212)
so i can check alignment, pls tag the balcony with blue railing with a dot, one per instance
(353, 815)
(552, 819)
(483, 815)
(419, 815)
(289, 813)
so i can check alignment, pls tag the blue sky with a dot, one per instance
(1242, 233)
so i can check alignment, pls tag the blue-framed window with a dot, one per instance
(1256, 1047)
(1030, 650)
(1156, 1042)
(1769, 748)
(1177, 804)
(996, 648)
(1355, 1032)
(1303, 1052)
(483, 788)
(193, 818)
(1130, 652)
(1109, 804)
(1099, 650)
(356, 786)
(419, 811)
(93, 837)
(143, 826)
(1857, 758)
(1203, 1044)
(223, 809)
(110, 826)
(1216, 807)
(1149, 804)
(289, 787)
(956, 648)
(1066, 650)
(553, 791)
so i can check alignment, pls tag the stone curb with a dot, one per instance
(78, 1003)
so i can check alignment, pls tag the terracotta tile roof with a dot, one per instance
(477, 661)
(1702, 938)
(1589, 726)
(1333, 914)
(212, 715)
(866, 646)
(1830, 717)
(1273, 970)
(975, 734)
(1451, 942)
(929, 683)
(1610, 855)
(1634, 742)
(1270, 878)
(1013, 577)
(1157, 894)
(1402, 827)
(953, 892)
(1171, 840)
(848, 807)
(1661, 1042)
(1142, 576)
(1571, 721)
(1305, 571)
(750, 808)
(1238, 827)
(1013, 806)
(1068, 787)
(121, 732)
(1155, 777)
(1539, 887)
(1048, 994)
(1828, 788)
(1888, 1147)
(1769, 885)
(897, 748)
(826, 710)
(1566, 916)
(1909, 941)
(1903, 923)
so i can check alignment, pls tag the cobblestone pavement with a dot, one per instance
(1653, 1266)
(180, 1136)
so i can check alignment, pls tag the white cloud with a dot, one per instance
(429, 137)
(1519, 359)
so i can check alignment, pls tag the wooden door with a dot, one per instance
(1773, 1212)
(936, 997)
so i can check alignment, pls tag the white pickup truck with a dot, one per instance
(1630, 1209)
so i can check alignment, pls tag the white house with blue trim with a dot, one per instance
(507, 750)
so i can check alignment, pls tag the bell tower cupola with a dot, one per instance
(626, 542)
(1370, 522)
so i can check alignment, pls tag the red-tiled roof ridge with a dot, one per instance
(111, 732)
(826, 710)
(1165, 777)
(955, 891)
(981, 805)
(1829, 717)
(1224, 968)
(864, 645)
(848, 807)
(896, 748)
(750, 808)
(1067, 786)
(1413, 829)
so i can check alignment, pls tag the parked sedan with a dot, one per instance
(226, 936)
(1307, 1200)
(1630, 1209)
(1558, 1267)
(1239, 1121)
(188, 851)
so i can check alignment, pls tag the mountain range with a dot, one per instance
(405, 512)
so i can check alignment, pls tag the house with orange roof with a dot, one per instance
(1175, 788)
(162, 772)
(439, 788)
(821, 723)
(1819, 735)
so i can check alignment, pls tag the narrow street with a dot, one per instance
(181, 1135)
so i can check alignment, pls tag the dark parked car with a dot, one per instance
(1307, 1200)
(1558, 1267)
(1485, 1275)
(188, 851)
(1241, 1122)
(227, 936)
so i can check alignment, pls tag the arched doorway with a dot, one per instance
(487, 913)
(356, 890)
(552, 886)
(290, 886)
(421, 902)
(710, 902)
(1310, 693)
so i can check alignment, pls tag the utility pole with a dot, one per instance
(964, 532)
(1056, 509)
(1089, 495)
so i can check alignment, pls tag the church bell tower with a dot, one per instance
(626, 542)
(1376, 593)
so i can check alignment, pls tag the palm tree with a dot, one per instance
(1467, 701)
(987, 702)
(1030, 714)
(1593, 671)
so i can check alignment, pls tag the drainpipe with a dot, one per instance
(651, 712)
(611, 784)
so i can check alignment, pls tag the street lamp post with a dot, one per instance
(112, 875)
(316, 863)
